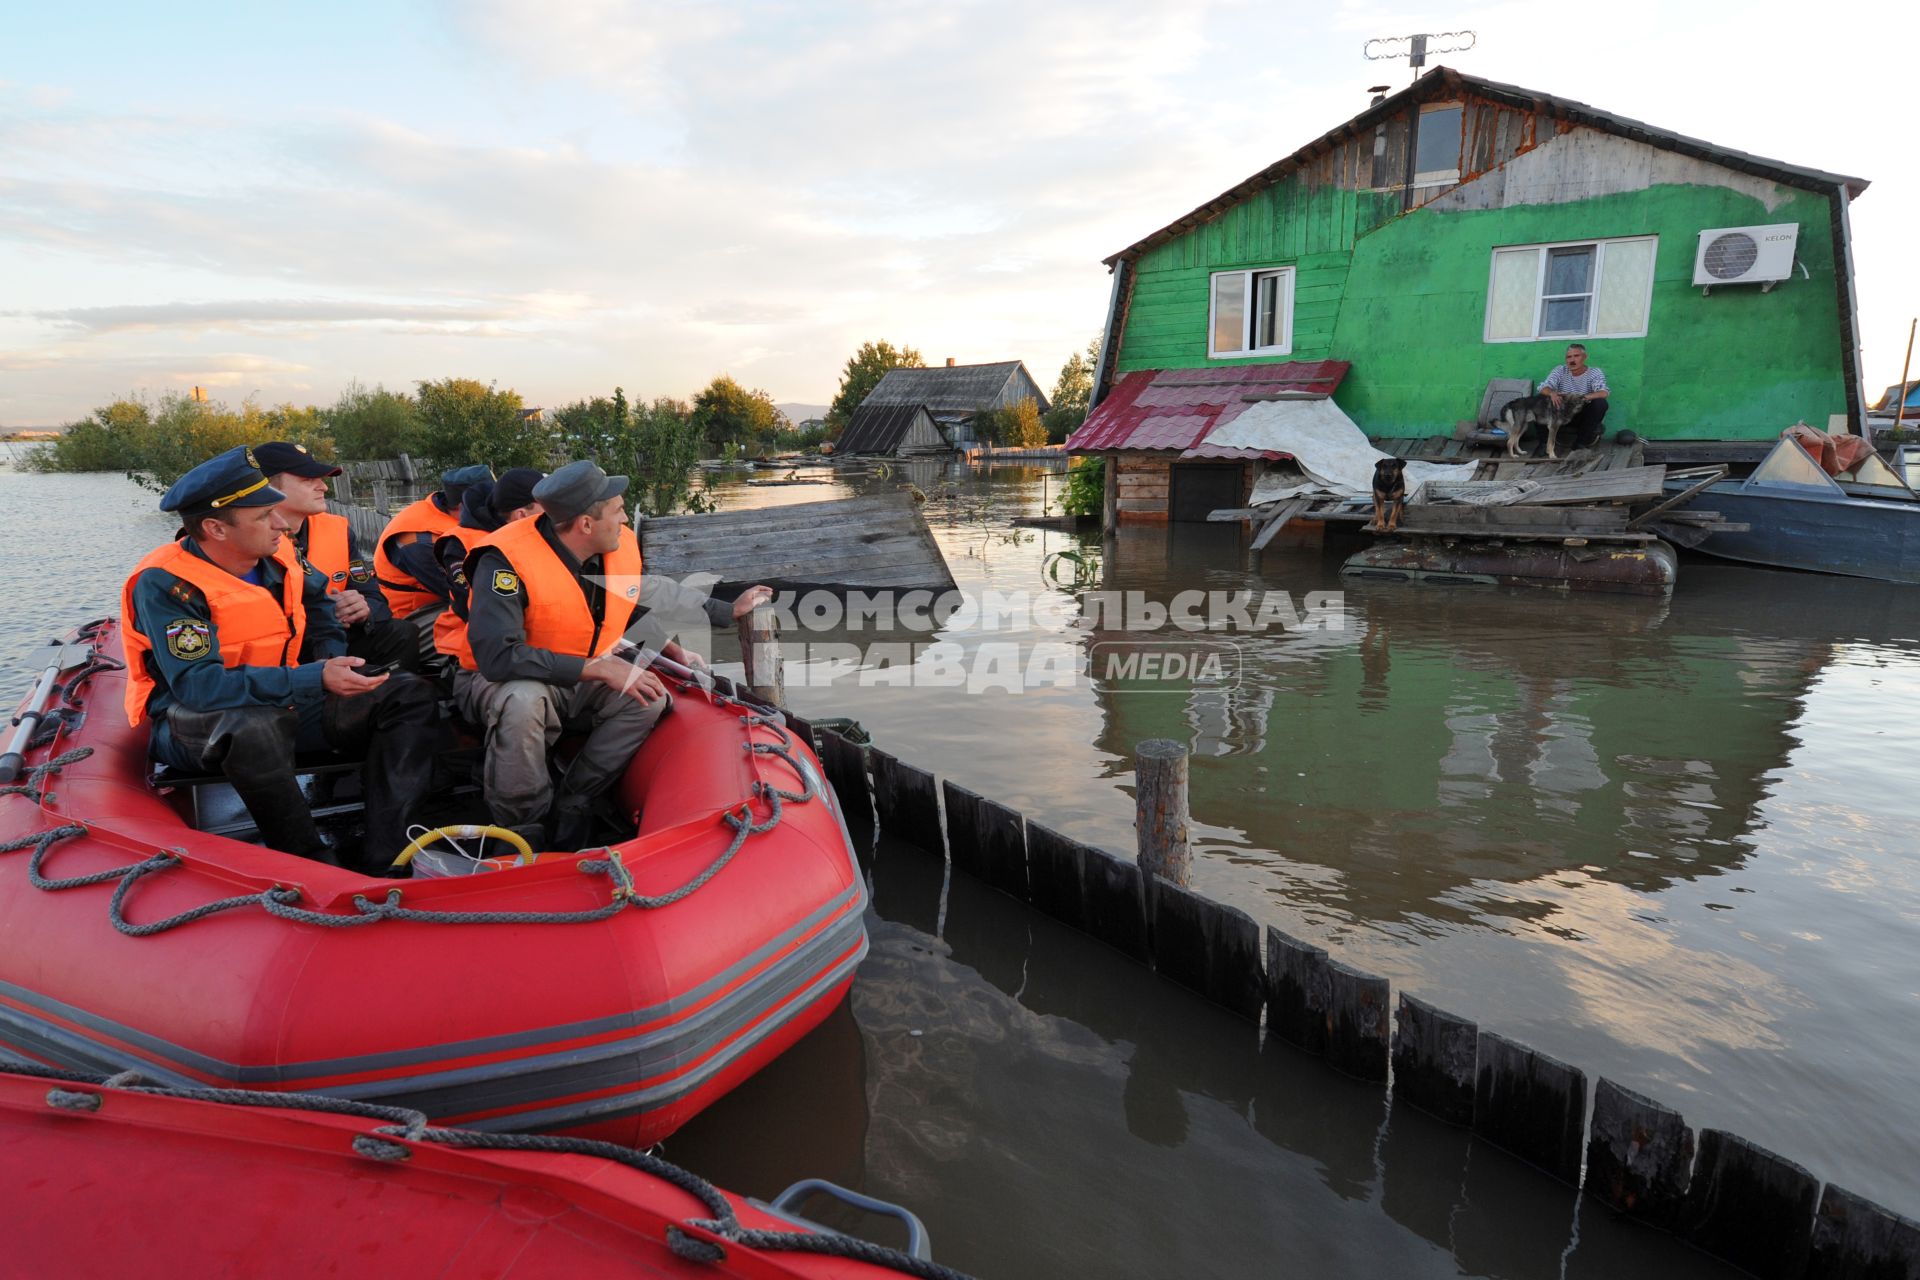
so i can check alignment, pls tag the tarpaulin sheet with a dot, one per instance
(1324, 443)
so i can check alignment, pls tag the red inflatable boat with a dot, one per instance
(118, 1179)
(594, 993)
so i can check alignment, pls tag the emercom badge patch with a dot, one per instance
(188, 639)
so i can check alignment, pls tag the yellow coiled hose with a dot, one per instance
(426, 838)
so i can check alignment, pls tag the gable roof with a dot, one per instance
(877, 428)
(1176, 409)
(951, 388)
(1444, 82)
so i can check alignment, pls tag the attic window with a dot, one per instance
(1436, 153)
(1250, 313)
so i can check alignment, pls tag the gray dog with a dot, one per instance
(1530, 411)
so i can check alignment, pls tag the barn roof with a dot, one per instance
(1175, 409)
(1442, 83)
(877, 428)
(951, 388)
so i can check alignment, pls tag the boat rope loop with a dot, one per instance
(284, 903)
(402, 1125)
(40, 771)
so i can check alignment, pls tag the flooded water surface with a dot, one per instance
(1670, 842)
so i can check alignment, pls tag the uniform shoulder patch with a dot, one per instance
(506, 582)
(185, 592)
(358, 571)
(189, 638)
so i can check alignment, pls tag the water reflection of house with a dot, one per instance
(1449, 738)
(919, 410)
(1463, 230)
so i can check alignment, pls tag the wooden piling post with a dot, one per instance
(1160, 810)
(760, 651)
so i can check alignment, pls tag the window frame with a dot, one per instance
(1288, 276)
(1541, 252)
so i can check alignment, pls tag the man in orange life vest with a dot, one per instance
(549, 598)
(408, 572)
(326, 542)
(214, 625)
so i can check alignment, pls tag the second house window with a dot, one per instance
(1251, 313)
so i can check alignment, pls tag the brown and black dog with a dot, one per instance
(1389, 494)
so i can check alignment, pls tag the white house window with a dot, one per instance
(1578, 289)
(1251, 313)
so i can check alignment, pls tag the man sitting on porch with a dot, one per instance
(1578, 378)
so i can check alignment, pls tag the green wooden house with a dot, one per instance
(1463, 230)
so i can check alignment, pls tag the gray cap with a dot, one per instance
(569, 491)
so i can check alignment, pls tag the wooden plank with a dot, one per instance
(876, 541)
(1678, 500)
(1281, 513)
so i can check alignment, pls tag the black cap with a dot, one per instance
(514, 489)
(283, 456)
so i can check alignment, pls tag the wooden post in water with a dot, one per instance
(760, 651)
(1160, 810)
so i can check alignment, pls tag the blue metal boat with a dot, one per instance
(1863, 523)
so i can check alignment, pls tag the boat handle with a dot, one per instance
(917, 1244)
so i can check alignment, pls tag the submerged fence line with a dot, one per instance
(1730, 1197)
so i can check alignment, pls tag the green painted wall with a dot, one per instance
(1404, 298)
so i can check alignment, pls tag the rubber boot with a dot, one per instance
(403, 735)
(573, 823)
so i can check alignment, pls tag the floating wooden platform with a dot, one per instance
(872, 543)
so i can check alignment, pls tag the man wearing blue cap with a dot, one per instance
(550, 598)
(404, 562)
(214, 626)
(321, 540)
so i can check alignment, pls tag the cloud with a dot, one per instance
(259, 312)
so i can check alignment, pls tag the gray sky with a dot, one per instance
(564, 197)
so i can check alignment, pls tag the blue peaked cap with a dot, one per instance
(229, 481)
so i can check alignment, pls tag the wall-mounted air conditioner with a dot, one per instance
(1745, 255)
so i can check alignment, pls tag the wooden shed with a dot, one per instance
(1153, 427)
(892, 430)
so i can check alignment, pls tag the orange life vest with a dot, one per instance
(402, 592)
(450, 628)
(255, 629)
(328, 550)
(557, 616)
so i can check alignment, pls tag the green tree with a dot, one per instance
(600, 429)
(667, 445)
(463, 420)
(726, 412)
(1017, 426)
(863, 372)
(1073, 393)
(157, 444)
(371, 424)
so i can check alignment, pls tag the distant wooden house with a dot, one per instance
(952, 394)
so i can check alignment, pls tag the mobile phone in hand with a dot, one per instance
(374, 672)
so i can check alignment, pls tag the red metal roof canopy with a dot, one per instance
(1174, 409)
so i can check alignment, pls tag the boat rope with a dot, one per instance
(35, 773)
(283, 902)
(402, 1125)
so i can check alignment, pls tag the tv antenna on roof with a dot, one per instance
(1416, 48)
